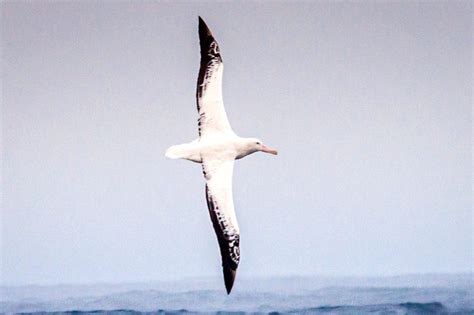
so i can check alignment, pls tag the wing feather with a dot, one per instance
(212, 115)
(219, 199)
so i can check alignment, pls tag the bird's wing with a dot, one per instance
(212, 116)
(218, 174)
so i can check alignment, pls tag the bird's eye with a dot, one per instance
(258, 142)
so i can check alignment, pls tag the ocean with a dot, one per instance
(412, 294)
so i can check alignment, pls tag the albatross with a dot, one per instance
(216, 149)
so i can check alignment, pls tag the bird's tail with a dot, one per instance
(186, 151)
(174, 152)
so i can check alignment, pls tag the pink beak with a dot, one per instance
(268, 150)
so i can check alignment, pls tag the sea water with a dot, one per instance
(415, 294)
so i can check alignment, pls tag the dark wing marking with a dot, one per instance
(212, 116)
(210, 58)
(218, 174)
(229, 241)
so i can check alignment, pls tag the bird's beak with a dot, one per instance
(268, 150)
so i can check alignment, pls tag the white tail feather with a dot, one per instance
(188, 151)
(173, 152)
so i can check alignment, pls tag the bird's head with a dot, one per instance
(253, 145)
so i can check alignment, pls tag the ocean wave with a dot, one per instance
(400, 308)
(274, 296)
(409, 308)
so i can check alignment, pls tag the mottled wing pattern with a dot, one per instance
(212, 116)
(218, 174)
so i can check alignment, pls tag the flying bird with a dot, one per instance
(216, 149)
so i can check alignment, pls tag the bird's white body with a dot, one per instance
(225, 147)
(216, 149)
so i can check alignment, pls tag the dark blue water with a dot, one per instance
(434, 294)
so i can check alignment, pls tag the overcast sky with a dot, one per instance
(369, 105)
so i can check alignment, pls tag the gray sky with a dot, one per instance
(369, 105)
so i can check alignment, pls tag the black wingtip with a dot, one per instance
(229, 277)
(204, 30)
